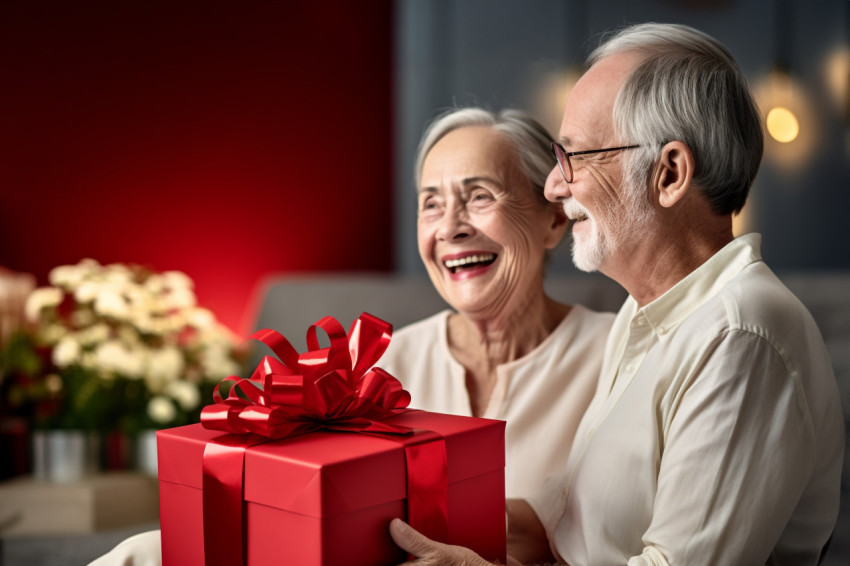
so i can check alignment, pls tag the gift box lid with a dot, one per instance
(328, 473)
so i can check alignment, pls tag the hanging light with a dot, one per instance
(782, 124)
(789, 117)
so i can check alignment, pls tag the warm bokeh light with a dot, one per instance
(550, 91)
(790, 120)
(837, 74)
(743, 222)
(782, 124)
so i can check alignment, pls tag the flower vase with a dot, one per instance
(146, 461)
(65, 456)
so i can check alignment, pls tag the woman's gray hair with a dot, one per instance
(688, 88)
(530, 140)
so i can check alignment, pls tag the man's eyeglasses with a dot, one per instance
(562, 156)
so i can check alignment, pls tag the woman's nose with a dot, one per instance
(557, 189)
(454, 225)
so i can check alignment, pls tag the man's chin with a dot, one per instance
(587, 258)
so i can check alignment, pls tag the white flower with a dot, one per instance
(88, 360)
(161, 409)
(128, 334)
(186, 393)
(41, 298)
(201, 318)
(110, 302)
(87, 291)
(180, 298)
(154, 284)
(164, 365)
(93, 334)
(117, 274)
(52, 333)
(140, 301)
(67, 351)
(83, 317)
(113, 356)
(177, 280)
(70, 276)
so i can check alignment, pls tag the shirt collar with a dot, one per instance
(670, 309)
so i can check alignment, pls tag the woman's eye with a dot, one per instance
(429, 203)
(480, 196)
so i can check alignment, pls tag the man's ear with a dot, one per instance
(674, 173)
(557, 225)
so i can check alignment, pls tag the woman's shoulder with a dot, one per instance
(431, 327)
(417, 338)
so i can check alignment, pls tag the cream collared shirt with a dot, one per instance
(715, 436)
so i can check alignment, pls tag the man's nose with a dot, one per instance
(557, 189)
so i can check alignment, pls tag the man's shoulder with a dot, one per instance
(757, 303)
(757, 299)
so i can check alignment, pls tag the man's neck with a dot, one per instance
(651, 267)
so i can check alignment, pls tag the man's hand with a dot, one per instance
(428, 552)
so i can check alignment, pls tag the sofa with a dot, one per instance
(289, 303)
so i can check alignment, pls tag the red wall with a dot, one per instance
(227, 140)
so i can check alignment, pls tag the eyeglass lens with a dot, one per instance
(563, 161)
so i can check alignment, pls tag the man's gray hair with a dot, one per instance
(530, 140)
(688, 88)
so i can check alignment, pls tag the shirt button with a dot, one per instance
(640, 321)
(662, 330)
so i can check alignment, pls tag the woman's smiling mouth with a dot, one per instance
(469, 262)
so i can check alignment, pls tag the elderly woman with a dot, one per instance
(507, 351)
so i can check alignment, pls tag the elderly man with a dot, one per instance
(715, 436)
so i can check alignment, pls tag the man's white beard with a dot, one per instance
(595, 245)
(590, 250)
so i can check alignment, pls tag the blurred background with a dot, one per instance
(183, 155)
(230, 142)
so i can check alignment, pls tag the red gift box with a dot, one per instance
(328, 497)
(309, 460)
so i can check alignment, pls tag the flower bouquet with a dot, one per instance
(117, 348)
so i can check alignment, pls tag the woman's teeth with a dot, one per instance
(469, 261)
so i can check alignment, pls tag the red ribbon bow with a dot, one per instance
(335, 387)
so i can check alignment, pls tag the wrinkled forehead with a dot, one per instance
(470, 151)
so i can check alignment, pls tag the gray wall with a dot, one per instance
(494, 53)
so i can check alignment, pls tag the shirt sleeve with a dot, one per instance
(738, 451)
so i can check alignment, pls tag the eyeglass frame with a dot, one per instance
(558, 150)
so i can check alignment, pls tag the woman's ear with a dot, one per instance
(674, 173)
(557, 225)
